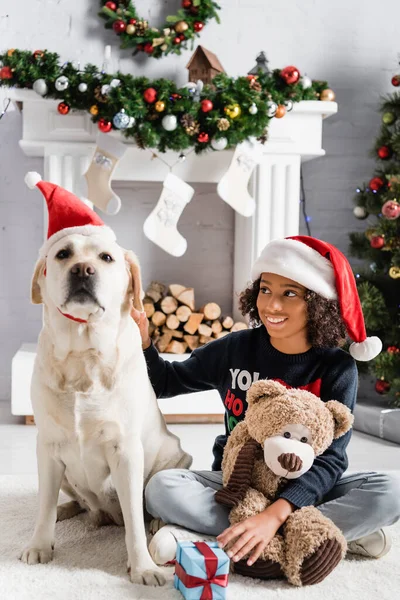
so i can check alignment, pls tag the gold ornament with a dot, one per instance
(327, 95)
(370, 233)
(159, 106)
(94, 110)
(130, 29)
(394, 272)
(223, 124)
(10, 52)
(141, 27)
(233, 111)
(181, 27)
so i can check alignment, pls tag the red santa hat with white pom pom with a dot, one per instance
(322, 268)
(67, 214)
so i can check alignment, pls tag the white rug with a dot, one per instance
(90, 564)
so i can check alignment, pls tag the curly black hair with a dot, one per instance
(325, 326)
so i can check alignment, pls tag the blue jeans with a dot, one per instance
(359, 504)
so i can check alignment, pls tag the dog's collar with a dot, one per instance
(71, 317)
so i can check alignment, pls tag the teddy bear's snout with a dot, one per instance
(290, 462)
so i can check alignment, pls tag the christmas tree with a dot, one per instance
(378, 201)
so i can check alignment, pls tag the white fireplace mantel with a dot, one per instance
(67, 142)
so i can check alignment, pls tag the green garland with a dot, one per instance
(134, 32)
(240, 107)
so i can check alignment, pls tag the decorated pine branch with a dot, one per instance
(158, 114)
(378, 201)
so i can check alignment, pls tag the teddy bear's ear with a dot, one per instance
(262, 388)
(342, 416)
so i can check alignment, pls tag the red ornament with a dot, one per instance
(176, 96)
(376, 183)
(396, 80)
(203, 138)
(150, 95)
(290, 75)
(104, 125)
(63, 108)
(377, 242)
(38, 54)
(182, 36)
(206, 105)
(149, 48)
(177, 40)
(5, 73)
(119, 27)
(384, 152)
(391, 210)
(381, 386)
(186, 3)
(198, 25)
(111, 5)
(132, 21)
(393, 350)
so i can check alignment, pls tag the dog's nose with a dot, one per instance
(83, 270)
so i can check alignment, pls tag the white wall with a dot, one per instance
(338, 41)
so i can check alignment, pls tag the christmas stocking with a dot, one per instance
(233, 186)
(160, 225)
(95, 184)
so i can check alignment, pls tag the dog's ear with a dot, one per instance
(36, 293)
(136, 279)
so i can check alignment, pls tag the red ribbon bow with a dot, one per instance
(211, 563)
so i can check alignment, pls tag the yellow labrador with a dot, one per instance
(101, 435)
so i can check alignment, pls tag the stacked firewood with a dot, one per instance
(175, 324)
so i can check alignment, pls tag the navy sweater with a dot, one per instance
(232, 363)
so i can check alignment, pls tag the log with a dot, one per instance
(216, 327)
(239, 326)
(156, 291)
(192, 341)
(187, 297)
(176, 347)
(169, 305)
(205, 330)
(204, 339)
(193, 323)
(221, 335)
(164, 341)
(183, 313)
(148, 306)
(175, 289)
(227, 323)
(158, 318)
(172, 322)
(175, 332)
(211, 311)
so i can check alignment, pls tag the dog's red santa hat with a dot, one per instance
(322, 268)
(67, 214)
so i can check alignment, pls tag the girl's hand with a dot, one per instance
(256, 532)
(143, 324)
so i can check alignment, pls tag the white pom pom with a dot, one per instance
(31, 179)
(366, 350)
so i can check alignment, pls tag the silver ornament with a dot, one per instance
(61, 83)
(169, 122)
(289, 105)
(40, 87)
(82, 87)
(131, 123)
(305, 82)
(253, 110)
(121, 120)
(272, 108)
(360, 212)
(219, 143)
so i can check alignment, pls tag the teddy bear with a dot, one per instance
(282, 433)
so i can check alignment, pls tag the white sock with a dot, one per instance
(163, 544)
(95, 184)
(233, 186)
(160, 225)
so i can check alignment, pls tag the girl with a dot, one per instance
(302, 300)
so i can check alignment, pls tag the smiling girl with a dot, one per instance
(301, 302)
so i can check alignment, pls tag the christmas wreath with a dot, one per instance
(156, 114)
(136, 33)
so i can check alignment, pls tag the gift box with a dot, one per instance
(201, 571)
(375, 417)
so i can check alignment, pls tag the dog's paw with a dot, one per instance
(147, 576)
(32, 555)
